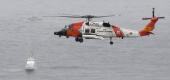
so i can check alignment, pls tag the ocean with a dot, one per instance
(24, 31)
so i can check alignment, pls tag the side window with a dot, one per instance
(93, 31)
(87, 30)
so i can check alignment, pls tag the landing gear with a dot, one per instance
(76, 39)
(79, 39)
(111, 42)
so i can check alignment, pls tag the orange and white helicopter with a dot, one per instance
(100, 30)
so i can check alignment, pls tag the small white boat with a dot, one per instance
(30, 64)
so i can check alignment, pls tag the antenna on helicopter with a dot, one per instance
(153, 15)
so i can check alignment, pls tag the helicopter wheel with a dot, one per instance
(81, 40)
(76, 39)
(111, 43)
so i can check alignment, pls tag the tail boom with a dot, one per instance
(149, 27)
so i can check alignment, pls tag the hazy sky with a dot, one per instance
(38, 7)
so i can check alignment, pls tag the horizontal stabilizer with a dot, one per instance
(151, 18)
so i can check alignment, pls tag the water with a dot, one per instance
(24, 31)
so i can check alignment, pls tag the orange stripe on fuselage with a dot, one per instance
(118, 32)
(74, 28)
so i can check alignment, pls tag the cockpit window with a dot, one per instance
(69, 26)
(87, 30)
(93, 31)
(87, 23)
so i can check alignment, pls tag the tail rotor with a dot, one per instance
(153, 15)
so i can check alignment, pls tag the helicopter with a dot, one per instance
(100, 30)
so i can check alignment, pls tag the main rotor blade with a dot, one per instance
(105, 16)
(65, 16)
(85, 16)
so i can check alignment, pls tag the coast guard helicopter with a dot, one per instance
(100, 30)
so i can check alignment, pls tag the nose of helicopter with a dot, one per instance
(60, 33)
(56, 33)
